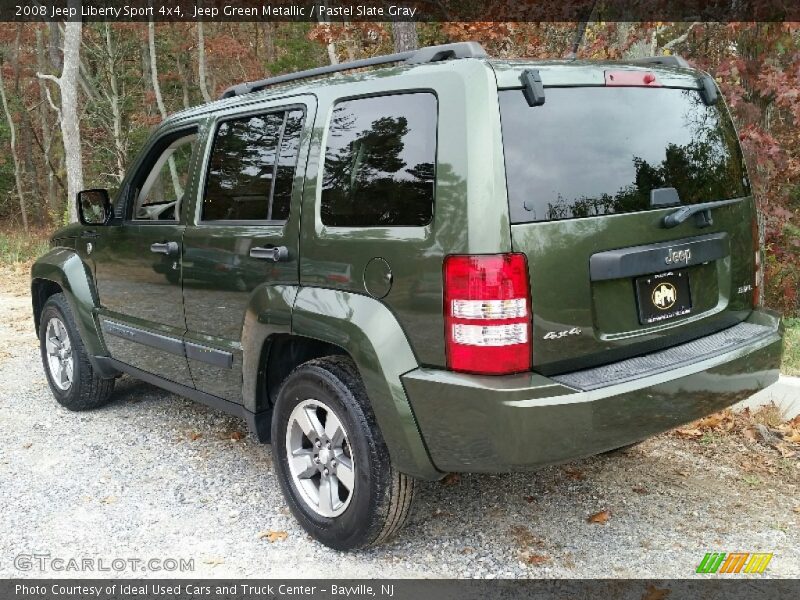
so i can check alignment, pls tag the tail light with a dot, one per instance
(758, 275)
(487, 313)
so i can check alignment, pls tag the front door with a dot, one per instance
(242, 248)
(138, 261)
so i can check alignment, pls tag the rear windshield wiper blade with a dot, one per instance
(703, 212)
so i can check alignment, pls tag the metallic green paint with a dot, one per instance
(605, 311)
(473, 423)
(397, 342)
(269, 313)
(225, 291)
(470, 212)
(370, 334)
(64, 267)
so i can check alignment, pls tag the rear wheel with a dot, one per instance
(331, 459)
(72, 379)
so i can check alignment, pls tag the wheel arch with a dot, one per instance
(61, 270)
(364, 329)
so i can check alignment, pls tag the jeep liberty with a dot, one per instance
(451, 263)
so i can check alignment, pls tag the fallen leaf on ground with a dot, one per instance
(710, 421)
(273, 536)
(236, 436)
(793, 437)
(467, 550)
(195, 436)
(213, 562)
(654, 593)
(28, 445)
(599, 517)
(109, 500)
(524, 537)
(535, 559)
(574, 474)
(529, 499)
(797, 509)
(451, 479)
(640, 490)
(689, 433)
(750, 434)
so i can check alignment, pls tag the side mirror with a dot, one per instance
(94, 207)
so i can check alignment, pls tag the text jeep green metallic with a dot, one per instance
(450, 264)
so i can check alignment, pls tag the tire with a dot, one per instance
(379, 501)
(83, 389)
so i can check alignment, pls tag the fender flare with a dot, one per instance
(368, 331)
(65, 268)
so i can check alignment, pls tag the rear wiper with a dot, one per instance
(702, 212)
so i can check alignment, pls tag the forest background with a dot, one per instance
(79, 100)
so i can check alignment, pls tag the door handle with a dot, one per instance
(275, 254)
(167, 248)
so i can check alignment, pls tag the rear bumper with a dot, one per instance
(493, 424)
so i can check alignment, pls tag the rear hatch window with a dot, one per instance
(601, 150)
(608, 279)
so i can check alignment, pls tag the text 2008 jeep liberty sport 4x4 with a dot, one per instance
(450, 264)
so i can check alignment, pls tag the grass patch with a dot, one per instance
(791, 347)
(20, 247)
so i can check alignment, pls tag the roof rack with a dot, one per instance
(427, 54)
(672, 60)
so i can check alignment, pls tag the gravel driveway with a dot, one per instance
(153, 475)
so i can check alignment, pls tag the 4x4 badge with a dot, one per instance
(554, 335)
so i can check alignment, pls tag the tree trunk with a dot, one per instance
(13, 134)
(404, 35)
(184, 77)
(201, 62)
(151, 39)
(70, 123)
(54, 45)
(114, 101)
(331, 47)
(44, 124)
(269, 42)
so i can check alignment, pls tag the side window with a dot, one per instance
(380, 162)
(251, 170)
(159, 192)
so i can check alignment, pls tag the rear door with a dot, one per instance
(243, 238)
(591, 176)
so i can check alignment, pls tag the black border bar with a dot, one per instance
(709, 588)
(400, 10)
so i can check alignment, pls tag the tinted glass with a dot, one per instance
(287, 160)
(593, 151)
(380, 162)
(245, 164)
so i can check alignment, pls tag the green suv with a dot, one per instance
(453, 263)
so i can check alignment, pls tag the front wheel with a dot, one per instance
(332, 462)
(72, 379)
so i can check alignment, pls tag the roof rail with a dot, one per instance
(427, 54)
(672, 60)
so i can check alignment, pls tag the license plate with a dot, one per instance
(663, 296)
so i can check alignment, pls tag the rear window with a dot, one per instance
(601, 150)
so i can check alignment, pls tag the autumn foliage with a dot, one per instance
(757, 66)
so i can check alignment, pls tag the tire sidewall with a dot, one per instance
(357, 524)
(54, 308)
